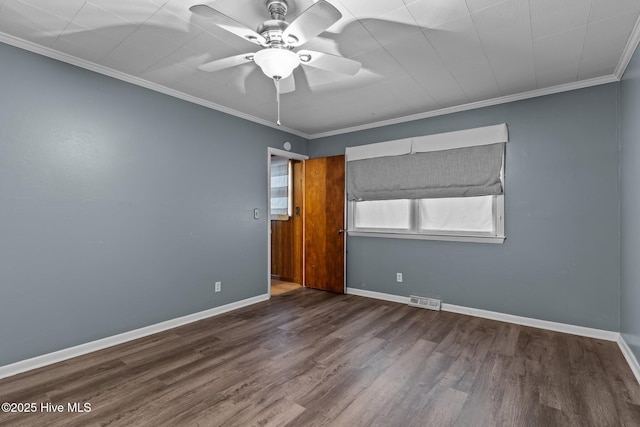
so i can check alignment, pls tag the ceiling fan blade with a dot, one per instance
(328, 62)
(232, 61)
(227, 23)
(288, 85)
(311, 22)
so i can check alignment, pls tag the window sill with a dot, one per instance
(441, 237)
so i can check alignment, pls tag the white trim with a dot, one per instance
(424, 236)
(51, 53)
(397, 147)
(628, 52)
(345, 226)
(461, 139)
(472, 137)
(101, 69)
(82, 349)
(472, 106)
(377, 295)
(493, 315)
(286, 154)
(630, 357)
(534, 323)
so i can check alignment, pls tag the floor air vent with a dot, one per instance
(424, 302)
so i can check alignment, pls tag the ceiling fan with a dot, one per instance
(278, 39)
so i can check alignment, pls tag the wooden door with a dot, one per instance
(324, 223)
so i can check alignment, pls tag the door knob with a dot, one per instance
(340, 231)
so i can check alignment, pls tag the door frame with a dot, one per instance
(287, 155)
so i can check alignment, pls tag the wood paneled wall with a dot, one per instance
(282, 249)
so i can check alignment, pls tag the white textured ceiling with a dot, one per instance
(419, 57)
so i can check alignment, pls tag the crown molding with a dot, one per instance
(110, 72)
(473, 105)
(628, 52)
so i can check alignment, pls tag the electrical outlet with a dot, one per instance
(218, 287)
(399, 277)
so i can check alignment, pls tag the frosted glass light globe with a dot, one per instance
(277, 63)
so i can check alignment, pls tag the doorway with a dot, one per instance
(285, 222)
(306, 247)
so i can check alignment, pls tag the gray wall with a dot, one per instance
(560, 261)
(115, 211)
(120, 206)
(630, 207)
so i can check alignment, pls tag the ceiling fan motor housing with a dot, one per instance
(272, 31)
(278, 39)
(273, 28)
(277, 9)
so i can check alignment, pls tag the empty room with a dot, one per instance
(310, 212)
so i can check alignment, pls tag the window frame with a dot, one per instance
(498, 237)
(414, 233)
(289, 214)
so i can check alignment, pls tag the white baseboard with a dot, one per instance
(631, 358)
(493, 315)
(79, 350)
(378, 295)
(525, 321)
(535, 323)
(68, 353)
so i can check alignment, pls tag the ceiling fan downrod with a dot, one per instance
(277, 9)
(278, 38)
(273, 28)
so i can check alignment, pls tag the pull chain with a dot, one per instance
(277, 81)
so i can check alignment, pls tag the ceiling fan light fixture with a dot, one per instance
(276, 63)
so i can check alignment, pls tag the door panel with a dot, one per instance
(324, 223)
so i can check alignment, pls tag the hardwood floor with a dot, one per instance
(314, 358)
(279, 287)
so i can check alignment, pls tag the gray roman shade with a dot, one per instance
(471, 170)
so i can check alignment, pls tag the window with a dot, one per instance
(457, 214)
(281, 189)
(457, 218)
(382, 215)
(442, 187)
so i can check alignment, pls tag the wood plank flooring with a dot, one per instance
(279, 287)
(311, 358)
